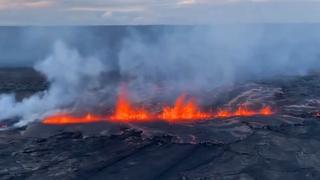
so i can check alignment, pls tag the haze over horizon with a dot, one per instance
(147, 12)
(23, 46)
(228, 42)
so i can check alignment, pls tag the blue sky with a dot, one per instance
(89, 12)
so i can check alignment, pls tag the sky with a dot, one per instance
(141, 12)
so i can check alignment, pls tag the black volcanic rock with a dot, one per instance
(283, 146)
(21, 81)
(288, 151)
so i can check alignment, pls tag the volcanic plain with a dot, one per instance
(281, 146)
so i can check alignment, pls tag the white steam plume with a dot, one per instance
(164, 63)
(201, 59)
(70, 76)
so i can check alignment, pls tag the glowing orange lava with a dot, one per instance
(243, 111)
(184, 109)
(266, 111)
(125, 112)
(69, 119)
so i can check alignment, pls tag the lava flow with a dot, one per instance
(243, 111)
(184, 109)
(69, 119)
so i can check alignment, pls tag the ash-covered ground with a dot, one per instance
(283, 146)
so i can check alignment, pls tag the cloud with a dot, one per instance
(80, 12)
(26, 4)
(106, 9)
(185, 2)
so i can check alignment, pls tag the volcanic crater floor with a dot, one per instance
(282, 146)
(242, 148)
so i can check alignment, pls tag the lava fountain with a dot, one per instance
(184, 109)
(124, 111)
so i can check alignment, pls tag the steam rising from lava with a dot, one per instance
(71, 76)
(125, 111)
(183, 110)
(158, 67)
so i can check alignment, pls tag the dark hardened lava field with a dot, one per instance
(21, 81)
(283, 146)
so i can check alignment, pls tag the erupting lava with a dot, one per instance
(242, 110)
(68, 119)
(125, 112)
(184, 109)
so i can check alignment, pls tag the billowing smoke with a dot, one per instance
(162, 62)
(204, 58)
(70, 75)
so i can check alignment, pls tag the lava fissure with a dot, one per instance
(184, 109)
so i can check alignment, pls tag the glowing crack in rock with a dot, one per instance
(183, 110)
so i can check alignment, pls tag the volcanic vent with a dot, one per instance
(195, 140)
(107, 120)
(184, 109)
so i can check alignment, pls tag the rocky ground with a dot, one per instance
(21, 81)
(283, 146)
